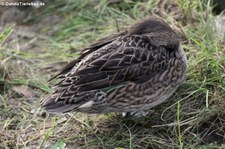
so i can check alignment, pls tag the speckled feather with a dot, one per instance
(143, 66)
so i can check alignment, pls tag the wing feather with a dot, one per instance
(124, 64)
(93, 47)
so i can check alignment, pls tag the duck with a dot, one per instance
(128, 72)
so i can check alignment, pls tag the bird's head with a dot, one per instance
(150, 25)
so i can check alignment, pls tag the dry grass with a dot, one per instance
(38, 46)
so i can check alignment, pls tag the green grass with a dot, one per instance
(6, 33)
(196, 121)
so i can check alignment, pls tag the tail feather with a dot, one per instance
(52, 104)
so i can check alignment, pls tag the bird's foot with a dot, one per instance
(141, 113)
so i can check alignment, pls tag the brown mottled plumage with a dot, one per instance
(128, 72)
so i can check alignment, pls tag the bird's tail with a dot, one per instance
(85, 102)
